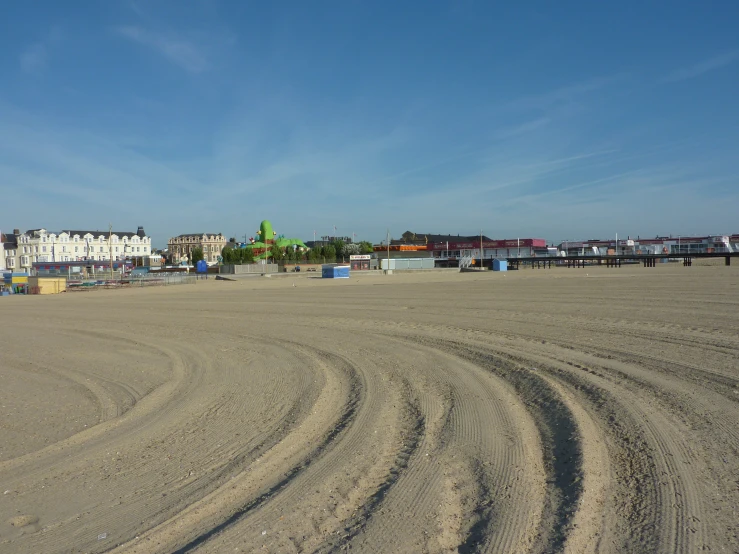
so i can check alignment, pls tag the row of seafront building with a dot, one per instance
(41, 248)
(453, 249)
(22, 251)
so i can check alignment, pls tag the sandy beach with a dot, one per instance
(573, 410)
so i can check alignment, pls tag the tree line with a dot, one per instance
(332, 252)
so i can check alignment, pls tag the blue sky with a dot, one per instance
(559, 120)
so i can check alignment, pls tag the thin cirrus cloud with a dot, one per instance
(565, 94)
(182, 53)
(33, 60)
(696, 70)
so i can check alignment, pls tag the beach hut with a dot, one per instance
(14, 282)
(47, 285)
(500, 265)
(335, 271)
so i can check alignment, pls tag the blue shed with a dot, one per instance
(333, 271)
(500, 265)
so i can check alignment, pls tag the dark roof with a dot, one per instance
(139, 232)
(197, 234)
(422, 238)
(98, 233)
(9, 240)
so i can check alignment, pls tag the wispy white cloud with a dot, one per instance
(33, 60)
(696, 70)
(565, 94)
(569, 188)
(500, 135)
(183, 53)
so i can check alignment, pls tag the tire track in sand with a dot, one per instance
(269, 475)
(143, 442)
(560, 443)
(337, 492)
(652, 459)
(657, 505)
(478, 461)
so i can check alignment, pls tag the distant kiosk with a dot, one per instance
(201, 268)
(334, 271)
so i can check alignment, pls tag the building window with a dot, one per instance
(76, 248)
(43, 249)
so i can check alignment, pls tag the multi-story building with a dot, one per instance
(9, 251)
(180, 248)
(40, 245)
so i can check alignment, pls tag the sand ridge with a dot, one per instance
(563, 410)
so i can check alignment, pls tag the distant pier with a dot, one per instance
(647, 260)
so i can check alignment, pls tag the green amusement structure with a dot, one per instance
(266, 238)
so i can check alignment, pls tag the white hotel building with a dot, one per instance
(40, 245)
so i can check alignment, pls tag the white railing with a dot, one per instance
(465, 261)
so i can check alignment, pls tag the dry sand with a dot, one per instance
(572, 410)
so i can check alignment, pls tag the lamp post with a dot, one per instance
(387, 270)
(110, 249)
(482, 255)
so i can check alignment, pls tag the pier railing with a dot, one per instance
(647, 260)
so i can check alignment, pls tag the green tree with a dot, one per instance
(196, 255)
(276, 253)
(329, 253)
(338, 246)
(247, 255)
(228, 255)
(365, 247)
(237, 255)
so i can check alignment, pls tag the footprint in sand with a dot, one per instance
(28, 522)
